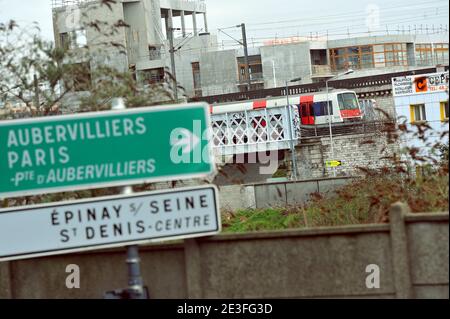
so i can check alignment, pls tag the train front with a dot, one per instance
(349, 107)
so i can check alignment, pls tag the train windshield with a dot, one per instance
(348, 101)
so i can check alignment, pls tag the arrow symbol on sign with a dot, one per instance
(185, 139)
(334, 163)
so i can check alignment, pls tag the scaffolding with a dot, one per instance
(69, 3)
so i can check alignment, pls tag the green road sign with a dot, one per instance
(334, 163)
(104, 149)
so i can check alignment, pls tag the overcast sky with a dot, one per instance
(281, 18)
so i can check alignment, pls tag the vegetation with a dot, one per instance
(415, 177)
(365, 201)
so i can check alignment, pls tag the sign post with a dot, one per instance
(107, 149)
(126, 220)
(136, 289)
(104, 149)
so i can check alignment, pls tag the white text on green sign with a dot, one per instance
(104, 149)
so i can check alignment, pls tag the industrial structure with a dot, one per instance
(144, 32)
(157, 39)
(164, 41)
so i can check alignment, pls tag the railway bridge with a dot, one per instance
(256, 129)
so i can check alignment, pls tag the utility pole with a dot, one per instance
(330, 115)
(291, 133)
(36, 93)
(247, 66)
(245, 45)
(172, 61)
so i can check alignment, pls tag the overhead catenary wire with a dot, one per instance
(409, 6)
(395, 17)
(260, 43)
(408, 13)
(339, 31)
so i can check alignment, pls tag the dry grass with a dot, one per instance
(364, 201)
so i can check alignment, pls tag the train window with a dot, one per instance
(348, 101)
(321, 108)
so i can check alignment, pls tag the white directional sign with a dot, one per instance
(106, 222)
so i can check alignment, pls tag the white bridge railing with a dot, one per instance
(253, 131)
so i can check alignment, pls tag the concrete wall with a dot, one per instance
(219, 72)
(284, 194)
(236, 197)
(411, 253)
(137, 42)
(385, 103)
(191, 51)
(144, 19)
(63, 21)
(286, 62)
(429, 276)
(269, 194)
(356, 150)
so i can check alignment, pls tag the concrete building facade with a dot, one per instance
(144, 38)
(203, 70)
(318, 60)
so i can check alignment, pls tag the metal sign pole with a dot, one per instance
(291, 135)
(135, 282)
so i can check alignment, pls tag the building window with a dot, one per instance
(154, 53)
(441, 53)
(153, 76)
(80, 38)
(369, 56)
(358, 57)
(73, 40)
(197, 79)
(395, 54)
(444, 111)
(65, 41)
(424, 54)
(255, 69)
(418, 113)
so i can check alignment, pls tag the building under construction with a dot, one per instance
(204, 70)
(152, 28)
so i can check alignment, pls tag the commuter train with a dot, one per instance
(312, 108)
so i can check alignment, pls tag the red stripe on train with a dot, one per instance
(351, 113)
(307, 99)
(306, 110)
(262, 104)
